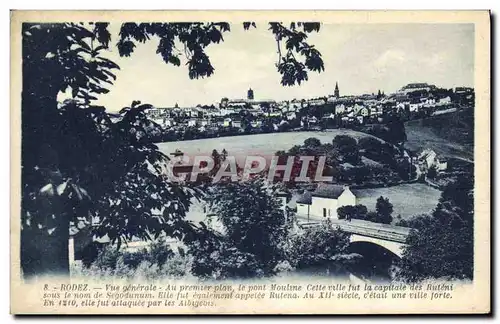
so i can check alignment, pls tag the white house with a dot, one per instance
(227, 122)
(428, 158)
(340, 109)
(169, 122)
(316, 102)
(445, 101)
(414, 107)
(324, 201)
(256, 123)
(364, 111)
(291, 115)
(313, 120)
(294, 105)
(357, 108)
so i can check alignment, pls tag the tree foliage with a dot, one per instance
(254, 229)
(346, 148)
(82, 164)
(384, 210)
(352, 212)
(294, 60)
(312, 142)
(317, 246)
(441, 245)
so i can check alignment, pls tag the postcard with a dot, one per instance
(250, 162)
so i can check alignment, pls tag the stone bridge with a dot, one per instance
(390, 237)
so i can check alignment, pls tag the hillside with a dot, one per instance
(259, 144)
(451, 135)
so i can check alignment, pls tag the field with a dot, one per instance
(260, 144)
(448, 135)
(408, 199)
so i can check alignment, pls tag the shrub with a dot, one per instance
(107, 258)
(317, 246)
(154, 262)
(384, 210)
(352, 212)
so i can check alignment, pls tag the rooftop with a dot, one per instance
(305, 198)
(329, 191)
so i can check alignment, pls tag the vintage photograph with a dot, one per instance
(270, 152)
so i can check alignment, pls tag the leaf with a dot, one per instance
(199, 65)
(125, 47)
(74, 91)
(214, 35)
(62, 187)
(311, 26)
(248, 24)
(108, 64)
(224, 26)
(174, 60)
(48, 190)
(165, 48)
(84, 46)
(102, 33)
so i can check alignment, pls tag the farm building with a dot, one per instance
(429, 158)
(324, 201)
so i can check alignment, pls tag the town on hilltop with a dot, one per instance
(253, 115)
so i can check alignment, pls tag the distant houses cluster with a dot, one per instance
(420, 99)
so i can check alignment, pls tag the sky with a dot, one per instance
(361, 58)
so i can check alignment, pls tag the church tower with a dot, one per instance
(336, 93)
(250, 94)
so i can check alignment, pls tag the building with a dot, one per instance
(250, 94)
(291, 115)
(363, 111)
(429, 158)
(462, 90)
(340, 109)
(336, 93)
(444, 101)
(316, 102)
(154, 113)
(412, 87)
(324, 201)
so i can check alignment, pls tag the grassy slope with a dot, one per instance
(408, 199)
(450, 135)
(261, 144)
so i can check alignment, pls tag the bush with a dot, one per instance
(372, 217)
(107, 258)
(384, 210)
(402, 222)
(254, 230)
(221, 260)
(432, 173)
(154, 262)
(317, 246)
(352, 212)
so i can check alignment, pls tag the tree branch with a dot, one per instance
(279, 50)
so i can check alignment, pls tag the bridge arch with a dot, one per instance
(395, 248)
